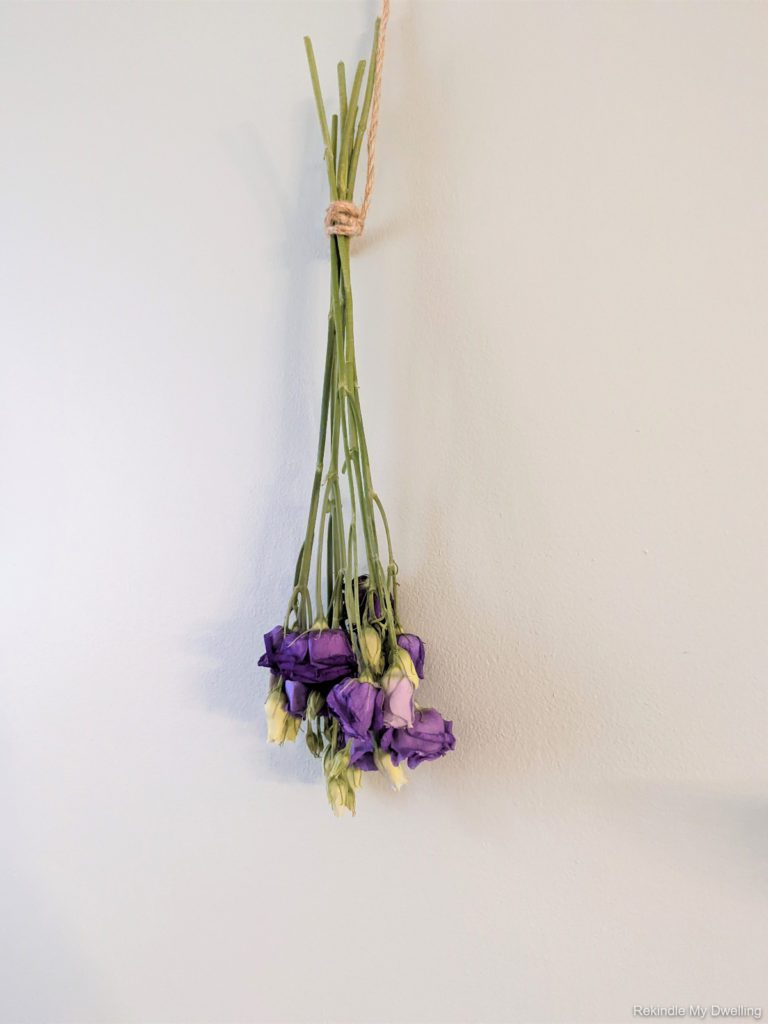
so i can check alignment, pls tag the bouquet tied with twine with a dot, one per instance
(342, 663)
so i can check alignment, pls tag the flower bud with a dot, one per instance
(341, 781)
(370, 644)
(337, 797)
(401, 659)
(395, 773)
(314, 704)
(281, 726)
(314, 744)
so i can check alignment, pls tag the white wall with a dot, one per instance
(562, 332)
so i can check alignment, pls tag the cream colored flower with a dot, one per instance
(341, 781)
(402, 663)
(281, 725)
(370, 643)
(395, 773)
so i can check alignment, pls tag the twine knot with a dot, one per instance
(344, 218)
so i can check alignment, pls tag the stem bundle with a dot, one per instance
(341, 409)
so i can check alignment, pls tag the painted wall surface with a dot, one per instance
(561, 318)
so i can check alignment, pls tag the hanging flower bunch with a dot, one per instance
(342, 663)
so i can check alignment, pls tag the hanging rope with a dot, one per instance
(343, 217)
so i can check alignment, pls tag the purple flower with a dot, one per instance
(414, 645)
(297, 694)
(320, 656)
(352, 703)
(428, 738)
(330, 647)
(361, 755)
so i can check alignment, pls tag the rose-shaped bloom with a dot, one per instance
(428, 738)
(320, 656)
(352, 703)
(414, 645)
(330, 647)
(394, 706)
(297, 694)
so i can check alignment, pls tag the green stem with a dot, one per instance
(321, 114)
(385, 521)
(306, 554)
(348, 123)
(360, 452)
(342, 91)
(343, 145)
(321, 621)
(334, 137)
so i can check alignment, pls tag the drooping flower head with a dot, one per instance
(281, 725)
(429, 737)
(341, 780)
(352, 703)
(397, 687)
(319, 656)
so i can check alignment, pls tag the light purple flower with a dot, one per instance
(397, 700)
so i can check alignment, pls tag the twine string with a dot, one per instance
(343, 217)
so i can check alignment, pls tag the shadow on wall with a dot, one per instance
(234, 685)
(455, 599)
